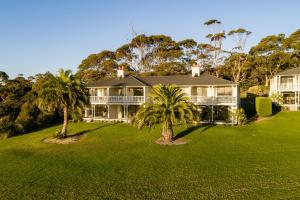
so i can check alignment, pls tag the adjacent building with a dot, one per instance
(287, 83)
(120, 98)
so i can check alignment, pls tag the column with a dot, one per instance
(212, 113)
(144, 93)
(94, 112)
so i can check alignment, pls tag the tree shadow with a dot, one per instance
(208, 126)
(191, 129)
(80, 133)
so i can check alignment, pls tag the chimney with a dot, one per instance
(195, 70)
(120, 72)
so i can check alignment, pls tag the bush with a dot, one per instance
(248, 104)
(263, 106)
(239, 116)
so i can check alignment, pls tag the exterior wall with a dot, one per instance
(292, 88)
(120, 110)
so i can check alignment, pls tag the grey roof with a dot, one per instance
(128, 80)
(203, 79)
(183, 80)
(290, 71)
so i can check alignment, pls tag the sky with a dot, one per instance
(39, 36)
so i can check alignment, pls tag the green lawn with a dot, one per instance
(257, 161)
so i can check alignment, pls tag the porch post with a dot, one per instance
(212, 113)
(92, 109)
(108, 111)
(124, 111)
(94, 113)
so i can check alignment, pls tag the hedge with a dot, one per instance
(263, 106)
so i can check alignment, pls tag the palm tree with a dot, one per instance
(63, 92)
(167, 105)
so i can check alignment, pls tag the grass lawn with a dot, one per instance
(257, 161)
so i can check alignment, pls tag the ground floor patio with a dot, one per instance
(219, 114)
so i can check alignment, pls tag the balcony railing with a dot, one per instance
(116, 99)
(140, 99)
(289, 87)
(213, 100)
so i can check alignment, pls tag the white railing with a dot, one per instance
(116, 99)
(213, 100)
(289, 87)
(140, 99)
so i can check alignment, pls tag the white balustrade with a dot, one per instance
(140, 99)
(213, 100)
(116, 99)
(289, 86)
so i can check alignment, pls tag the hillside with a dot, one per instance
(116, 161)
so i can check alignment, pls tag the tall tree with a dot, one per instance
(237, 62)
(189, 52)
(167, 105)
(96, 66)
(216, 38)
(293, 43)
(3, 77)
(271, 56)
(64, 92)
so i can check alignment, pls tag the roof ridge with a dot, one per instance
(138, 79)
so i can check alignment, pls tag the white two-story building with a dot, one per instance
(287, 83)
(119, 98)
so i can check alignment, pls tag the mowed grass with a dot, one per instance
(116, 161)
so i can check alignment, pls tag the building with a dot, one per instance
(119, 98)
(287, 83)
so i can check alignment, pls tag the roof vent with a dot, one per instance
(120, 72)
(195, 70)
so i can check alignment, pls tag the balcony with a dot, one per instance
(289, 87)
(116, 99)
(213, 100)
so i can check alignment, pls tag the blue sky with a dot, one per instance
(38, 36)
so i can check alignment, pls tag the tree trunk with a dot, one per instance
(63, 133)
(267, 81)
(167, 133)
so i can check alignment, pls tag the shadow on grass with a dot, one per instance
(90, 130)
(191, 129)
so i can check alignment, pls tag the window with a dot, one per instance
(202, 91)
(289, 98)
(224, 91)
(101, 92)
(135, 92)
(286, 82)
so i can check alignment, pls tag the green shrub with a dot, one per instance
(239, 116)
(263, 106)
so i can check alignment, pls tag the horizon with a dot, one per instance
(44, 36)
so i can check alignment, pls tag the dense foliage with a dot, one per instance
(20, 108)
(19, 112)
(263, 106)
